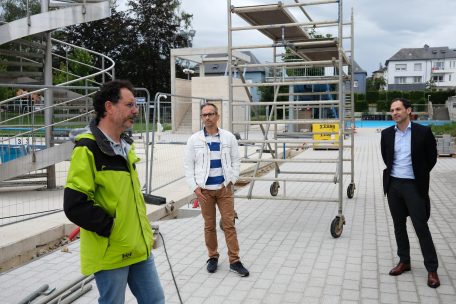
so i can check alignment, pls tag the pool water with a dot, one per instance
(388, 123)
(9, 152)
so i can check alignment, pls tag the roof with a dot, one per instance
(357, 69)
(424, 53)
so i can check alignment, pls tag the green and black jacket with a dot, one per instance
(103, 196)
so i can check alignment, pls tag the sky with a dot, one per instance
(381, 27)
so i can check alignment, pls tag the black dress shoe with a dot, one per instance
(400, 268)
(433, 280)
(212, 265)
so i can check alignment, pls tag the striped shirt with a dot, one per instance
(215, 179)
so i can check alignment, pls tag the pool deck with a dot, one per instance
(288, 248)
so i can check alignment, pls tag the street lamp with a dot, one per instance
(430, 108)
(159, 125)
(188, 72)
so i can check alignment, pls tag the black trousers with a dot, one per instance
(404, 200)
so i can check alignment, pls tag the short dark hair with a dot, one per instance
(109, 91)
(405, 102)
(208, 104)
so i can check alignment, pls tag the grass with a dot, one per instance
(137, 128)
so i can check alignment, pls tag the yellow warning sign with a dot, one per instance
(324, 132)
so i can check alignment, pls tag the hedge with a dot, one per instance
(383, 98)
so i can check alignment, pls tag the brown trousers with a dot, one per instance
(224, 199)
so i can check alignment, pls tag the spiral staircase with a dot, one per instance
(38, 113)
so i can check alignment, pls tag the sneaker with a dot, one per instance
(212, 265)
(239, 269)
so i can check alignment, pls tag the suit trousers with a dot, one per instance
(224, 200)
(405, 200)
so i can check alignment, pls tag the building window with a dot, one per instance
(355, 83)
(438, 78)
(401, 67)
(417, 79)
(438, 65)
(400, 80)
(449, 77)
(417, 66)
(453, 64)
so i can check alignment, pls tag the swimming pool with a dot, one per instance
(388, 123)
(9, 152)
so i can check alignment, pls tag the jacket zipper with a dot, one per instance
(221, 155)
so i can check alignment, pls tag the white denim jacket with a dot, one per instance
(197, 159)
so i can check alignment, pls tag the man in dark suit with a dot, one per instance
(409, 152)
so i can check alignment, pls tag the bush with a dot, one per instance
(361, 106)
(445, 129)
(383, 98)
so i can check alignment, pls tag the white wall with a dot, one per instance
(409, 73)
(215, 89)
(426, 72)
(181, 104)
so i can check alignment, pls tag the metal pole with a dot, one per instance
(73, 285)
(34, 294)
(291, 109)
(230, 62)
(147, 104)
(103, 80)
(29, 20)
(149, 188)
(173, 91)
(48, 100)
(352, 100)
(341, 111)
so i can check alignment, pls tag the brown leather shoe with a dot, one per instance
(400, 268)
(433, 280)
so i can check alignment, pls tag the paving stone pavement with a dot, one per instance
(288, 248)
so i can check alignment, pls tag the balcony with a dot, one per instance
(439, 70)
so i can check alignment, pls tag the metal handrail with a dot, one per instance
(103, 71)
(109, 70)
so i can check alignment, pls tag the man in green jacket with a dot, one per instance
(103, 196)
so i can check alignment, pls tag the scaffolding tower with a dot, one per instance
(310, 80)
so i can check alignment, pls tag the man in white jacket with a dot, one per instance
(212, 167)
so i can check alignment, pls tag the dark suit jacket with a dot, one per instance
(424, 156)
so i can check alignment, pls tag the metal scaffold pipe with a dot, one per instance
(263, 8)
(284, 25)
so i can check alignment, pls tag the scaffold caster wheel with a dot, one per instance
(234, 220)
(351, 190)
(336, 229)
(274, 189)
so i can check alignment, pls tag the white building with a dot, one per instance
(414, 69)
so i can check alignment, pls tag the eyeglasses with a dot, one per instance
(131, 105)
(210, 115)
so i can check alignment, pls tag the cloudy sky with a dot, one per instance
(381, 27)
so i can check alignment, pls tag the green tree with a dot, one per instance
(375, 84)
(5, 92)
(78, 66)
(431, 86)
(17, 9)
(112, 37)
(139, 40)
(156, 22)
